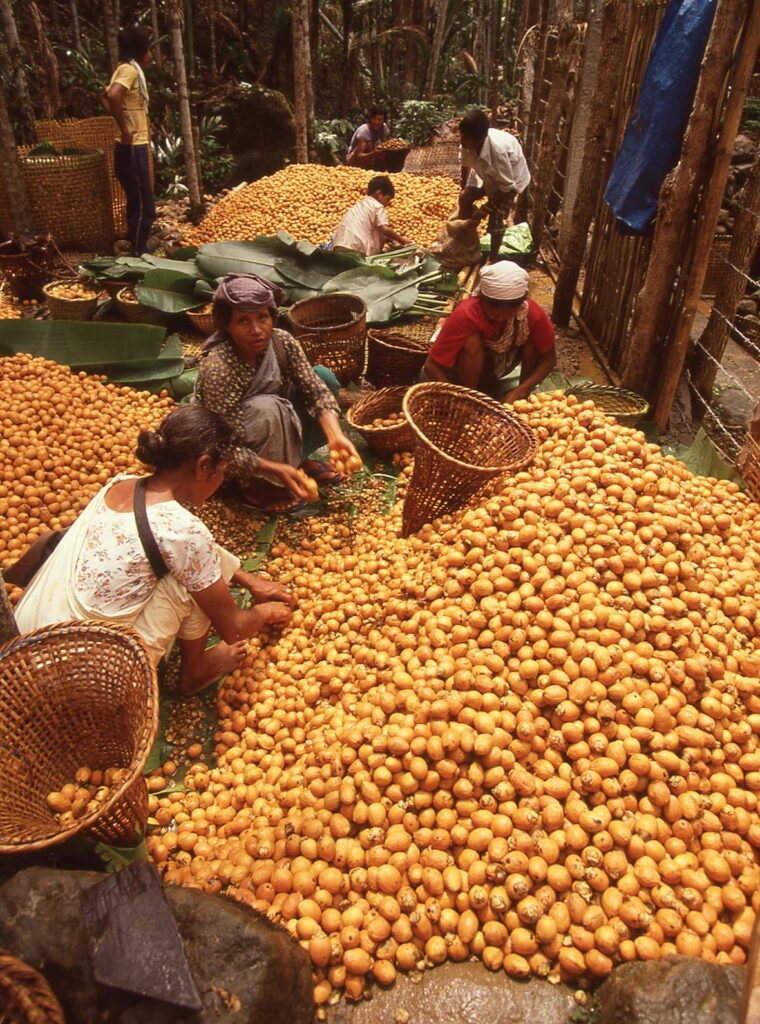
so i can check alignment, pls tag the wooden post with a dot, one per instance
(676, 352)
(678, 199)
(573, 246)
(744, 244)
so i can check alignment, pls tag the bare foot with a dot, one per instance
(217, 661)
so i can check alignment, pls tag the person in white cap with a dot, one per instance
(487, 335)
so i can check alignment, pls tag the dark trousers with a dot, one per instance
(133, 171)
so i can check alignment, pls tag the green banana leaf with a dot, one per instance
(189, 267)
(216, 259)
(169, 292)
(385, 294)
(82, 344)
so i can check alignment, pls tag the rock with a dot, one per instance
(754, 426)
(675, 990)
(747, 307)
(733, 407)
(465, 993)
(246, 968)
(259, 132)
(744, 150)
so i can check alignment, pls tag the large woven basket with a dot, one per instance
(332, 330)
(462, 441)
(625, 406)
(136, 312)
(201, 322)
(26, 273)
(25, 996)
(69, 309)
(748, 464)
(396, 355)
(69, 199)
(382, 440)
(79, 694)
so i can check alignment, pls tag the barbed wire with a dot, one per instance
(724, 259)
(735, 446)
(746, 209)
(737, 383)
(732, 324)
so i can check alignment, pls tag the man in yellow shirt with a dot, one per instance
(126, 98)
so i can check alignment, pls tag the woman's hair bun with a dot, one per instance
(151, 445)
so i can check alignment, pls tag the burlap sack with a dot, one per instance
(458, 244)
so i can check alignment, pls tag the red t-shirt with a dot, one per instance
(470, 318)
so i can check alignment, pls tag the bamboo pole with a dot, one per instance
(678, 198)
(675, 356)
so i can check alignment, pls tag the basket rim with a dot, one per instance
(376, 336)
(357, 299)
(638, 402)
(477, 399)
(130, 639)
(129, 302)
(367, 400)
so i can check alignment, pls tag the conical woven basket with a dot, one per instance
(79, 694)
(378, 404)
(25, 996)
(625, 406)
(462, 441)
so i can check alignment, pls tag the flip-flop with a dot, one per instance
(322, 472)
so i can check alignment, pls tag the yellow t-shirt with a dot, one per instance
(135, 108)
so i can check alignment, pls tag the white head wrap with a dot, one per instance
(503, 281)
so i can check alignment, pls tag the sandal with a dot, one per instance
(323, 473)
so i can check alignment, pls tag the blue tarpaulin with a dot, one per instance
(652, 142)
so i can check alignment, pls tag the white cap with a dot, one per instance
(503, 281)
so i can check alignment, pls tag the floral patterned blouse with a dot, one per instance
(224, 379)
(113, 572)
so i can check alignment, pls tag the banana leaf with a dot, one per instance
(189, 267)
(216, 259)
(385, 294)
(82, 344)
(169, 292)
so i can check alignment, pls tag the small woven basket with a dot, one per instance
(136, 313)
(69, 309)
(332, 330)
(25, 273)
(79, 694)
(25, 996)
(382, 440)
(203, 323)
(625, 406)
(396, 355)
(748, 464)
(463, 440)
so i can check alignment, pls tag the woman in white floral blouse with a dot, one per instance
(258, 378)
(102, 570)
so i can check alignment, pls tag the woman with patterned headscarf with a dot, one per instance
(259, 380)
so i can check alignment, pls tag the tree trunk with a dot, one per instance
(594, 166)
(493, 85)
(111, 34)
(303, 89)
(18, 73)
(75, 35)
(211, 10)
(13, 175)
(174, 9)
(435, 50)
(157, 53)
(547, 156)
(678, 199)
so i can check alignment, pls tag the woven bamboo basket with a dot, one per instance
(26, 274)
(382, 440)
(625, 406)
(441, 159)
(396, 355)
(394, 158)
(716, 264)
(136, 312)
(69, 199)
(463, 440)
(748, 464)
(203, 323)
(25, 996)
(332, 330)
(69, 309)
(73, 695)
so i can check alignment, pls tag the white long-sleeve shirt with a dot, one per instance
(500, 166)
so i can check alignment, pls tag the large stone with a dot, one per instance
(744, 150)
(246, 968)
(259, 131)
(676, 990)
(462, 993)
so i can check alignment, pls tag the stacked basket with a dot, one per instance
(462, 441)
(74, 695)
(396, 355)
(332, 330)
(382, 440)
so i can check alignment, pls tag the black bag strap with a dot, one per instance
(148, 541)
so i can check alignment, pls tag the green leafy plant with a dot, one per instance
(332, 138)
(216, 163)
(418, 119)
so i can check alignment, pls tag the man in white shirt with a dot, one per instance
(493, 165)
(365, 228)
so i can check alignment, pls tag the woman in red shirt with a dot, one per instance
(489, 334)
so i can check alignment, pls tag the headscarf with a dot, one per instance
(245, 292)
(503, 281)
